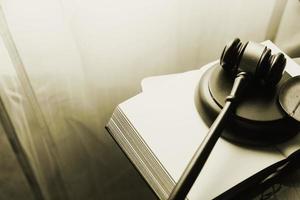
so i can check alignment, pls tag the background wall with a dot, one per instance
(93, 55)
(288, 36)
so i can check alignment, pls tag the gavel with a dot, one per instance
(250, 64)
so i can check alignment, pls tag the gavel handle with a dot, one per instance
(198, 160)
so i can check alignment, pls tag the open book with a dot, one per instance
(161, 128)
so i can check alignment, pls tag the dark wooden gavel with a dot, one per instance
(249, 63)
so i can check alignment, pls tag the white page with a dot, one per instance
(163, 82)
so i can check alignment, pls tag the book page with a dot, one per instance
(163, 82)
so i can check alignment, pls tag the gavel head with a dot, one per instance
(254, 59)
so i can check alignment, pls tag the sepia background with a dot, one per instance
(81, 58)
